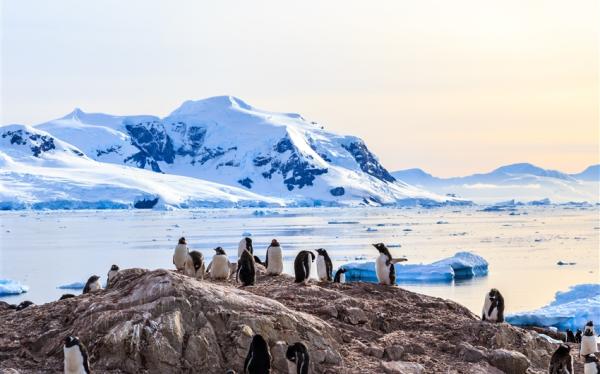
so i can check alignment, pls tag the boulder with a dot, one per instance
(511, 362)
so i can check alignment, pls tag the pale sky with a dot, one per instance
(453, 87)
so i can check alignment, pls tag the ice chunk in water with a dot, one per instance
(11, 287)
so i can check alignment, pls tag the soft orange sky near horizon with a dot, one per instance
(451, 87)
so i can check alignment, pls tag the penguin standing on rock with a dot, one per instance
(340, 276)
(384, 266)
(570, 336)
(111, 274)
(324, 266)
(274, 259)
(591, 365)
(493, 307)
(93, 284)
(302, 265)
(76, 357)
(588, 340)
(561, 361)
(246, 269)
(245, 244)
(258, 360)
(578, 335)
(194, 265)
(298, 355)
(181, 254)
(219, 266)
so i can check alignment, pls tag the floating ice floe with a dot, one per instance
(72, 286)
(462, 265)
(11, 287)
(570, 310)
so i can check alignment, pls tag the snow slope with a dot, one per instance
(222, 139)
(41, 172)
(523, 182)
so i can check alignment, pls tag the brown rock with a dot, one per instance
(402, 367)
(511, 362)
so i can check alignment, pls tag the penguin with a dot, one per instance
(245, 243)
(591, 365)
(258, 360)
(578, 336)
(561, 361)
(570, 336)
(340, 276)
(66, 296)
(180, 255)
(298, 354)
(588, 340)
(23, 305)
(76, 357)
(246, 269)
(219, 266)
(302, 265)
(384, 266)
(324, 266)
(258, 261)
(493, 307)
(93, 284)
(274, 259)
(111, 274)
(194, 265)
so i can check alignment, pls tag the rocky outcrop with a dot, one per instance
(164, 322)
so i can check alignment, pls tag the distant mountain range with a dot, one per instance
(214, 152)
(523, 182)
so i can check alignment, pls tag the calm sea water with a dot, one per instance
(46, 249)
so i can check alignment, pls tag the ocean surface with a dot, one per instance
(46, 249)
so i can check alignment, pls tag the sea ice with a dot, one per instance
(570, 309)
(11, 287)
(72, 286)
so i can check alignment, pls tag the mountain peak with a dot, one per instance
(215, 103)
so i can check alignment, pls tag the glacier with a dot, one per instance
(12, 287)
(570, 309)
(462, 265)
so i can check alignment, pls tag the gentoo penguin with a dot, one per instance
(340, 276)
(570, 336)
(298, 354)
(111, 274)
(561, 361)
(76, 358)
(194, 265)
(324, 266)
(245, 243)
(302, 265)
(578, 336)
(493, 307)
(219, 266)
(274, 260)
(180, 255)
(258, 360)
(93, 284)
(66, 296)
(246, 269)
(588, 340)
(384, 266)
(591, 365)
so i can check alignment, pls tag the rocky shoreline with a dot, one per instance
(161, 321)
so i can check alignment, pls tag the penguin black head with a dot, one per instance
(219, 251)
(321, 251)
(274, 243)
(114, 268)
(182, 240)
(563, 350)
(249, 244)
(590, 323)
(494, 294)
(342, 270)
(93, 278)
(380, 247)
(591, 358)
(589, 329)
(71, 341)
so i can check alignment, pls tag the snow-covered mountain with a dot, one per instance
(224, 140)
(521, 182)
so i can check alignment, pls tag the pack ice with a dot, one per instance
(11, 287)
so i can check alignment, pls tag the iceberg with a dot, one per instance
(72, 286)
(570, 310)
(462, 265)
(11, 287)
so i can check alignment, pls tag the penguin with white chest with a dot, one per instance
(181, 254)
(246, 269)
(245, 245)
(384, 265)
(194, 265)
(340, 276)
(258, 359)
(92, 284)
(297, 354)
(274, 259)
(493, 307)
(588, 340)
(324, 266)
(561, 361)
(302, 265)
(219, 266)
(76, 357)
(111, 275)
(591, 365)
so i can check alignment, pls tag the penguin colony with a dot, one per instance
(258, 359)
